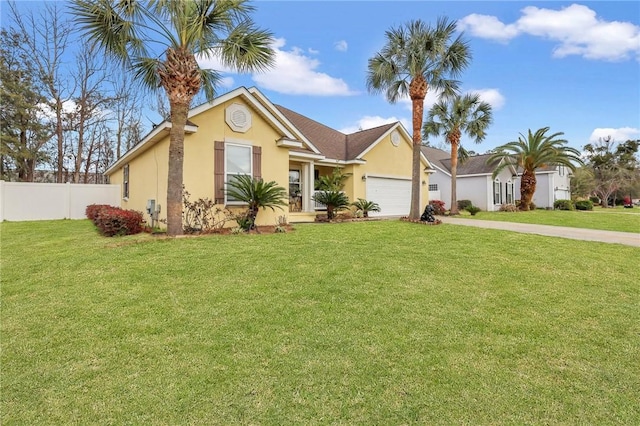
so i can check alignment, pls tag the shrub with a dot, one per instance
(116, 221)
(202, 215)
(563, 205)
(366, 206)
(508, 208)
(438, 207)
(464, 204)
(473, 209)
(93, 210)
(594, 200)
(244, 221)
(584, 205)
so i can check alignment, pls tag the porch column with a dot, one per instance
(307, 186)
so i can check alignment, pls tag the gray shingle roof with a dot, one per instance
(474, 165)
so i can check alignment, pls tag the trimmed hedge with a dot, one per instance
(464, 204)
(112, 221)
(584, 205)
(93, 210)
(563, 205)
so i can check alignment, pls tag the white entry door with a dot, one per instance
(392, 195)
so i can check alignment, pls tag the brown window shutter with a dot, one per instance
(218, 172)
(257, 162)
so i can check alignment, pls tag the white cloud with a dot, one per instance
(621, 134)
(369, 122)
(227, 82)
(576, 29)
(313, 51)
(485, 26)
(491, 96)
(341, 46)
(294, 73)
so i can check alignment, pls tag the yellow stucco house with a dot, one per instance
(242, 132)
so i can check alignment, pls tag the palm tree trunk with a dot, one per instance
(527, 189)
(453, 210)
(176, 160)
(417, 93)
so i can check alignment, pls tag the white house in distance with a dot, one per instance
(552, 183)
(474, 181)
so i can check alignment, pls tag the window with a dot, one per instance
(125, 181)
(497, 192)
(509, 192)
(237, 162)
(433, 187)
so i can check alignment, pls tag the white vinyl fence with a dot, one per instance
(43, 201)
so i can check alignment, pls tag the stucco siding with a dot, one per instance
(390, 161)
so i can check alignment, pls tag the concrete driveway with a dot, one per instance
(612, 237)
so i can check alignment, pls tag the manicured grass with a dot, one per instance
(618, 219)
(361, 323)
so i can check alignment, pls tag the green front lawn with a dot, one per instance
(618, 219)
(367, 323)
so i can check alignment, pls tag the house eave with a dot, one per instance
(288, 143)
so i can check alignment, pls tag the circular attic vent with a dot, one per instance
(395, 138)
(238, 117)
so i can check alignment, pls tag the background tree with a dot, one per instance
(451, 118)
(530, 153)
(23, 132)
(130, 31)
(46, 35)
(415, 57)
(614, 167)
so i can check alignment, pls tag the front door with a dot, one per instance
(295, 191)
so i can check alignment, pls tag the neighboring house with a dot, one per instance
(552, 183)
(474, 181)
(242, 132)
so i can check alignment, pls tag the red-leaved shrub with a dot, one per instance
(116, 221)
(92, 211)
(438, 207)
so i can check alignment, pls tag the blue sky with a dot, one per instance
(574, 67)
(571, 66)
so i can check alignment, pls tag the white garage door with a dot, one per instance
(393, 195)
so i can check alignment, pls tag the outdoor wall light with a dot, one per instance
(364, 177)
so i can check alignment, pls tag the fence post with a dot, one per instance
(67, 196)
(1, 200)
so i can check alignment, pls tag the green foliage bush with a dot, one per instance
(464, 204)
(563, 205)
(438, 207)
(584, 205)
(594, 200)
(473, 209)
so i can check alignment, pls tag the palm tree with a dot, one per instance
(334, 200)
(138, 33)
(453, 117)
(257, 194)
(415, 57)
(366, 206)
(533, 152)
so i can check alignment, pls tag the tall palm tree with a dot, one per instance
(257, 194)
(532, 152)
(158, 40)
(415, 57)
(453, 117)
